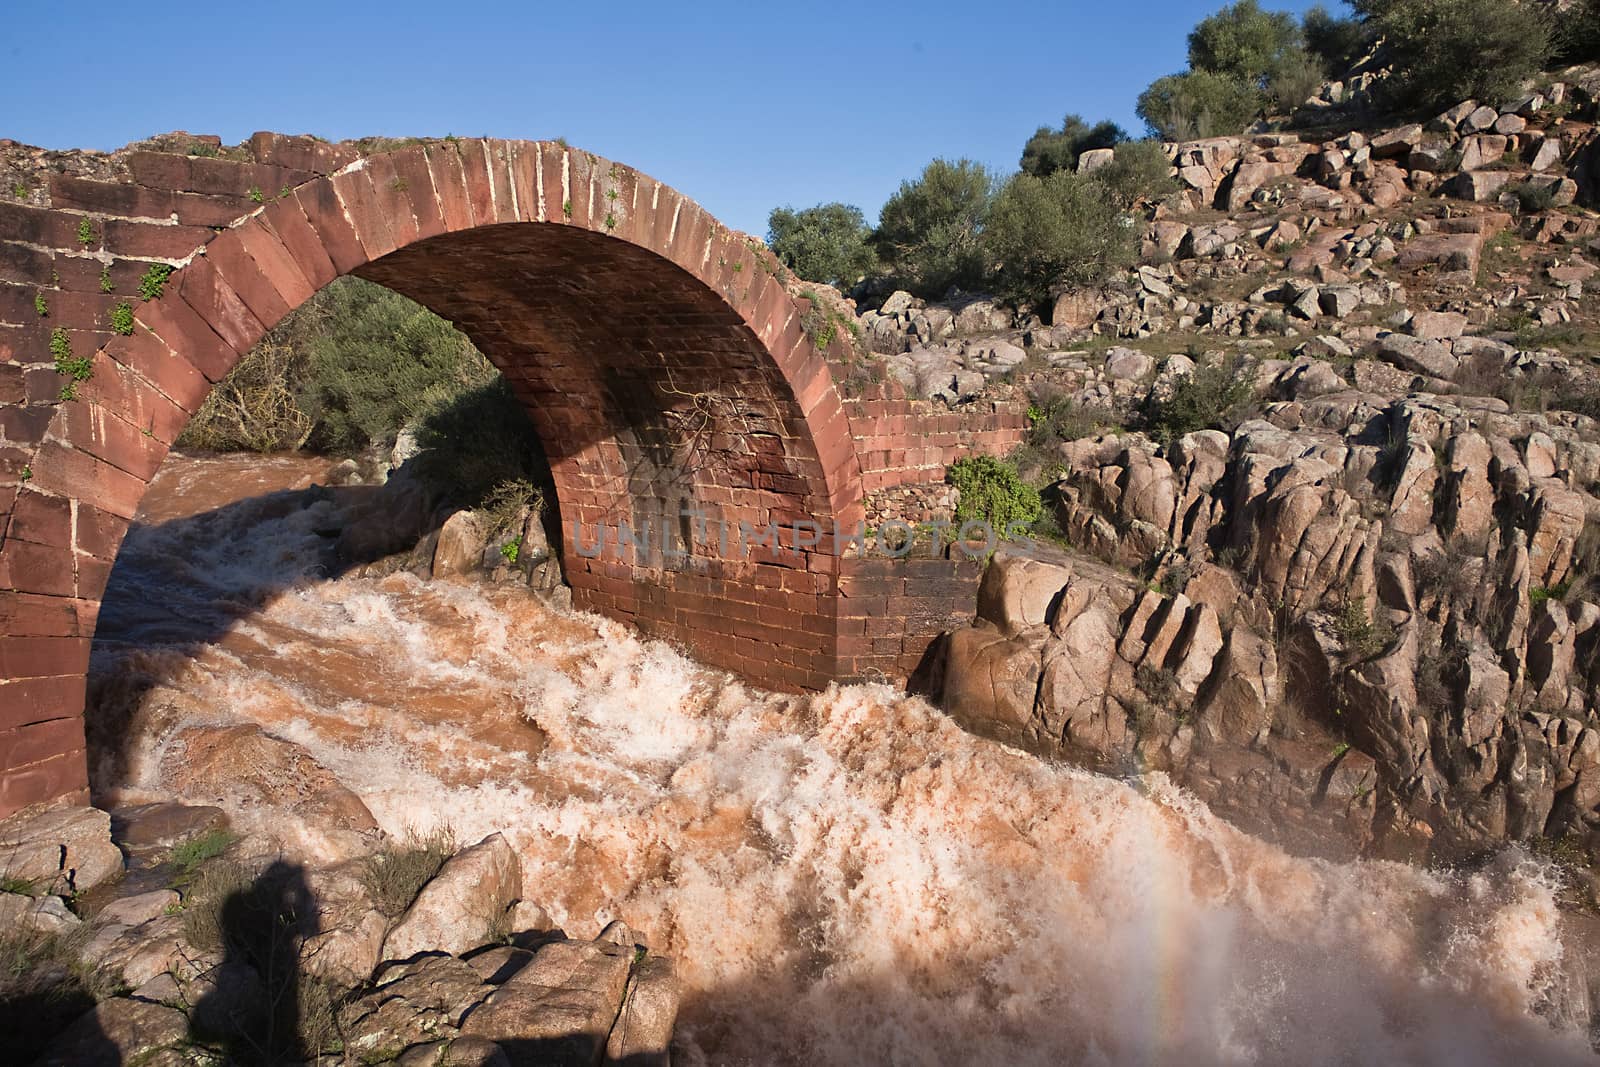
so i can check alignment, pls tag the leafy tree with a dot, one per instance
(376, 362)
(1293, 79)
(1139, 171)
(1244, 42)
(930, 231)
(1048, 151)
(1577, 33)
(1199, 103)
(1338, 42)
(1446, 51)
(1048, 232)
(827, 243)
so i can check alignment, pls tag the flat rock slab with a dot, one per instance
(61, 849)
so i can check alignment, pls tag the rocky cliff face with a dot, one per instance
(1367, 599)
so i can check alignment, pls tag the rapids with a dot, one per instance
(842, 878)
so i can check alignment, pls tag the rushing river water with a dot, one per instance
(843, 878)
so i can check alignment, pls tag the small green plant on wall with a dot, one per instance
(106, 285)
(41, 305)
(85, 232)
(122, 318)
(75, 368)
(154, 281)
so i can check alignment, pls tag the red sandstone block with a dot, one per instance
(693, 232)
(44, 569)
(25, 425)
(450, 186)
(45, 520)
(74, 472)
(98, 534)
(31, 699)
(93, 574)
(38, 742)
(392, 195)
(203, 288)
(64, 779)
(175, 379)
(35, 615)
(19, 263)
(301, 153)
(524, 165)
(219, 177)
(412, 171)
(324, 213)
(497, 155)
(83, 274)
(104, 433)
(43, 657)
(285, 221)
(277, 265)
(475, 170)
(186, 335)
(138, 201)
(37, 226)
(360, 202)
(145, 240)
(241, 275)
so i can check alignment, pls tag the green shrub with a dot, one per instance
(1139, 171)
(1202, 399)
(827, 243)
(396, 873)
(1577, 33)
(929, 232)
(1338, 42)
(1196, 104)
(993, 492)
(1048, 150)
(1362, 636)
(377, 362)
(1446, 51)
(188, 856)
(1057, 231)
(1244, 42)
(1533, 199)
(1293, 80)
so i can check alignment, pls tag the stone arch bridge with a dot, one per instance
(659, 354)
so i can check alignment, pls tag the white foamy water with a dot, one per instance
(843, 878)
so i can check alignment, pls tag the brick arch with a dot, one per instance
(657, 352)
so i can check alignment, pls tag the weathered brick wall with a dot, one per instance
(892, 610)
(659, 357)
(904, 441)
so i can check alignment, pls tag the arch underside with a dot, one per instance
(669, 428)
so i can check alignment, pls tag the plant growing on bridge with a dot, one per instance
(992, 491)
(106, 284)
(85, 232)
(75, 368)
(41, 305)
(122, 318)
(255, 194)
(154, 280)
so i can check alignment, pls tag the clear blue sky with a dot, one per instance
(741, 105)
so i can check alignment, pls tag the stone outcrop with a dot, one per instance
(470, 974)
